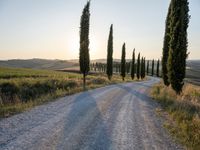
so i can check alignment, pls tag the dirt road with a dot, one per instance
(116, 117)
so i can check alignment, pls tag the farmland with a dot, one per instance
(21, 89)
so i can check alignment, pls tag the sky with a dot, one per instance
(49, 29)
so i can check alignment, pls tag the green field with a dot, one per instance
(21, 89)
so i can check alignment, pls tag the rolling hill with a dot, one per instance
(192, 70)
(37, 63)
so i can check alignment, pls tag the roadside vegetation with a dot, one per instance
(183, 117)
(181, 101)
(21, 89)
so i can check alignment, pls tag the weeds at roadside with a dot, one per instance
(184, 113)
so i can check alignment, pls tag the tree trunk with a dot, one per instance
(84, 88)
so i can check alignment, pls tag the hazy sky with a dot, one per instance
(50, 28)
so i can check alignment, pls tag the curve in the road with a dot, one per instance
(120, 116)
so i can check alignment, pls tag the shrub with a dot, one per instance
(9, 92)
(70, 84)
(27, 92)
(99, 81)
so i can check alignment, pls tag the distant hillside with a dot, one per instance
(193, 71)
(37, 64)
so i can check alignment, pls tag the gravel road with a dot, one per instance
(116, 117)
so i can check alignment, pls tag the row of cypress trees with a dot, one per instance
(130, 67)
(84, 59)
(139, 68)
(125, 66)
(175, 45)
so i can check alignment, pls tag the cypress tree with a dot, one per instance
(152, 68)
(116, 68)
(123, 62)
(138, 67)
(141, 68)
(166, 47)
(84, 59)
(157, 70)
(119, 68)
(178, 43)
(144, 66)
(109, 69)
(105, 66)
(147, 67)
(95, 67)
(133, 65)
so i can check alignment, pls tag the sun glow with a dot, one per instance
(73, 46)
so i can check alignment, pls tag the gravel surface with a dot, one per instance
(116, 117)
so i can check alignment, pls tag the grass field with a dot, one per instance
(21, 89)
(183, 117)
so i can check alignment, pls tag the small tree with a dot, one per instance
(152, 68)
(123, 62)
(133, 65)
(144, 66)
(147, 67)
(141, 68)
(109, 69)
(84, 59)
(157, 70)
(119, 65)
(138, 67)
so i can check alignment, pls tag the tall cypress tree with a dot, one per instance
(133, 65)
(84, 59)
(166, 47)
(141, 68)
(178, 43)
(158, 68)
(138, 67)
(147, 67)
(109, 69)
(152, 68)
(123, 62)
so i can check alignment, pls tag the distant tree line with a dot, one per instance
(142, 67)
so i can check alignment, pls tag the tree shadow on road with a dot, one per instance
(84, 126)
(141, 93)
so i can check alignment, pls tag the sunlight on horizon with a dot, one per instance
(50, 30)
(73, 46)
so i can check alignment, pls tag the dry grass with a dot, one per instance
(22, 89)
(184, 112)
